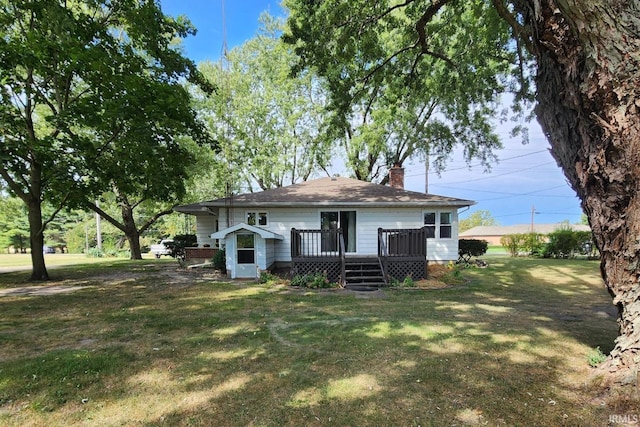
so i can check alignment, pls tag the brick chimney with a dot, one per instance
(396, 176)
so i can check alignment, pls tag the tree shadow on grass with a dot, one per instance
(508, 349)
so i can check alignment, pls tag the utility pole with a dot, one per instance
(426, 175)
(98, 228)
(533, 211)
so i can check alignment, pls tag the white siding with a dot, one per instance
(270, 253)
(368, 220)
(205, 225)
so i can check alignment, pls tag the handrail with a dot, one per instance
(404, 242)
(315, 243)
(383, 256)
(343, 261)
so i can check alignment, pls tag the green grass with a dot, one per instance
(145, 344)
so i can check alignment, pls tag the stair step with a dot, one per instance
(360, 287)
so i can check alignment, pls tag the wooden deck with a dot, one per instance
(401, 253)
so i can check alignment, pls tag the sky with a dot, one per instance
(525, 185)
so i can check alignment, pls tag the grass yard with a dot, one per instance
(144, 343)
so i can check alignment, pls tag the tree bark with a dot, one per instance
(588, 81)
(131, 231)
(36, 239)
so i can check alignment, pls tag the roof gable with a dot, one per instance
(265, 234)
(334, 191)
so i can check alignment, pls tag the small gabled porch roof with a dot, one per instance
(265, 234)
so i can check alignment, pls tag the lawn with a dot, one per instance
(145, 343)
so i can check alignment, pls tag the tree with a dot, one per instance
(91, 90)
(586, 66)
(385, 114)
(476, 219)
(14, 228)
(269, 124)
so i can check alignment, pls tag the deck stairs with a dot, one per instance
(363, 274)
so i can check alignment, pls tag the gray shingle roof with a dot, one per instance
(334, 191)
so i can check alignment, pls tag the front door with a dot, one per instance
(246, 256)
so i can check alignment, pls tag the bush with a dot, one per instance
(471, 247)
(268, 278)
(512, 243)
(528, 243)
(312, 281)
(596, 357)
(219, 261)
(95, 253)
(181, 241)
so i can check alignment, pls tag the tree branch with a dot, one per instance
(105, 216)
(55, 213)
(520, 32)
(154, 218)
(424, 20)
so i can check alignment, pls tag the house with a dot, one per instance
(334, 225)
(493, 233)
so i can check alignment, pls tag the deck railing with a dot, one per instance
(317, 243)
(402, 242)
(383, 258)
(401, 252)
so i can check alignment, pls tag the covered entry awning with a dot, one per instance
(265, 234)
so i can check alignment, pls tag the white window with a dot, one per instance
(445, 225)
(439, 224)
(260, 218)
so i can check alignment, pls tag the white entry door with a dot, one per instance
(246, 266)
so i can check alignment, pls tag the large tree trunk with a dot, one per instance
(131, 231)
(588, 81)
(36, 239)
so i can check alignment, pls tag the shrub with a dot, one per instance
(266, 278)
(95, 253)
(596, 357)
(408, 282)
(471, 247)
(312, 281)
(529, 243)
(219, 261)
(533, 243)
(512, 243)
(181, 241)
(564, 243)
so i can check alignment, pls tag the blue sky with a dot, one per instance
(525, 179)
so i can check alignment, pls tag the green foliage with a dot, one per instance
(268, 278)
(512, 243)
(92, 100)
(567, 243)
(181, 241)
(269, 124)
(312, 281)
(596, 357)
(220, 261)
(417, 84)
(472, 247)
(527, 243)
(533, 243)
(477, 218)
(95, 253)
(408, 282)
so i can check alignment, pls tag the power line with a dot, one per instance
(505, 193)
(480, 164)
(499, 175)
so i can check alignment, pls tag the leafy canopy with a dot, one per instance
(450, 60)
